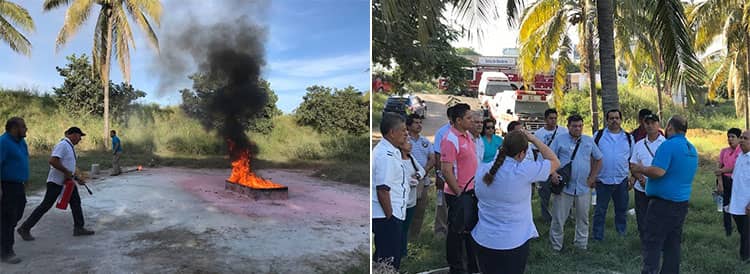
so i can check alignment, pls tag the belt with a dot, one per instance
(660, 198)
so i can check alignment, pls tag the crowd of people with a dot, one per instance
(500, 174)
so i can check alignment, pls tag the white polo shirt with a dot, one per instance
(388, 170)
(642, 156)
(740, 185)
(63, 150)
(546, 135)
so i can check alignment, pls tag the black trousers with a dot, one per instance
(494, 261)
(12, 203)
(458, 244)
(743, 227)
(664, 220)
(53, 190)
(727, 197)
(641, 205)
(388, 233)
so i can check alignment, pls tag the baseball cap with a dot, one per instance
(73, 130)
(652, 117)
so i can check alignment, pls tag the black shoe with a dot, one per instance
(25, 234)
(12, 259)
(80, 231)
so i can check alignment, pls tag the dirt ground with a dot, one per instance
(170, 220)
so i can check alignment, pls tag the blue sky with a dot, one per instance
(323, 42)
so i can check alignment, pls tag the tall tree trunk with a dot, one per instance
(657, 68)
(589, 47)
(605, 16)
(747, 81)
(105, 77)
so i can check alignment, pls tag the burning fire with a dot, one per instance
(243, 175)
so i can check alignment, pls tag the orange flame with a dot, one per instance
(242, 173)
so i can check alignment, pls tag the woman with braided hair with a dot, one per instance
(501, 238)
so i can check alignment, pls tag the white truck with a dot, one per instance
(492, 83)
(524, 106)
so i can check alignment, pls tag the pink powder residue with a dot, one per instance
(309, 198)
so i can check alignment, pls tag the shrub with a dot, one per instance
(334, 110)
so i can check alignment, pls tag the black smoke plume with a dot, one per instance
(230, 55)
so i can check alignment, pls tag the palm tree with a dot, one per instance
(605, 27)
(637, 48)
(666, 24)
(112, 33)
(731, 19)
(13, 14)
(543, 31)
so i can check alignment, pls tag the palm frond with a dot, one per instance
(138, 12)
(476, 14)
(122, 39)
(719, 77)
(670, 29)
(15, 40)
(52, 4)
(98, 51)
(74, 17)
(561, 74)
(151, 8)
(537, 16)
(511, 11)
(16, 15)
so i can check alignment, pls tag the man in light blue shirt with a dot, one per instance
(670, 179)
(584, 169)
(424, 154)
(613, 180)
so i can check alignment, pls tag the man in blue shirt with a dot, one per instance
(14, 172)
(116, 152)
(670, 179)
(614, 178)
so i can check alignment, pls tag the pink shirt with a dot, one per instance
(728, 156)
(458, 148)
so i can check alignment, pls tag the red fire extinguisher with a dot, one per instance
(64, 198)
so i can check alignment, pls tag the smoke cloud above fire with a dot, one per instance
(227, 48)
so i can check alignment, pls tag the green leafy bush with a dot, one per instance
(335, 110)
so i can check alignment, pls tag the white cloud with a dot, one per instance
(356, 79)
(320, 67)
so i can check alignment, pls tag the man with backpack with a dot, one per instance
(614, 179)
